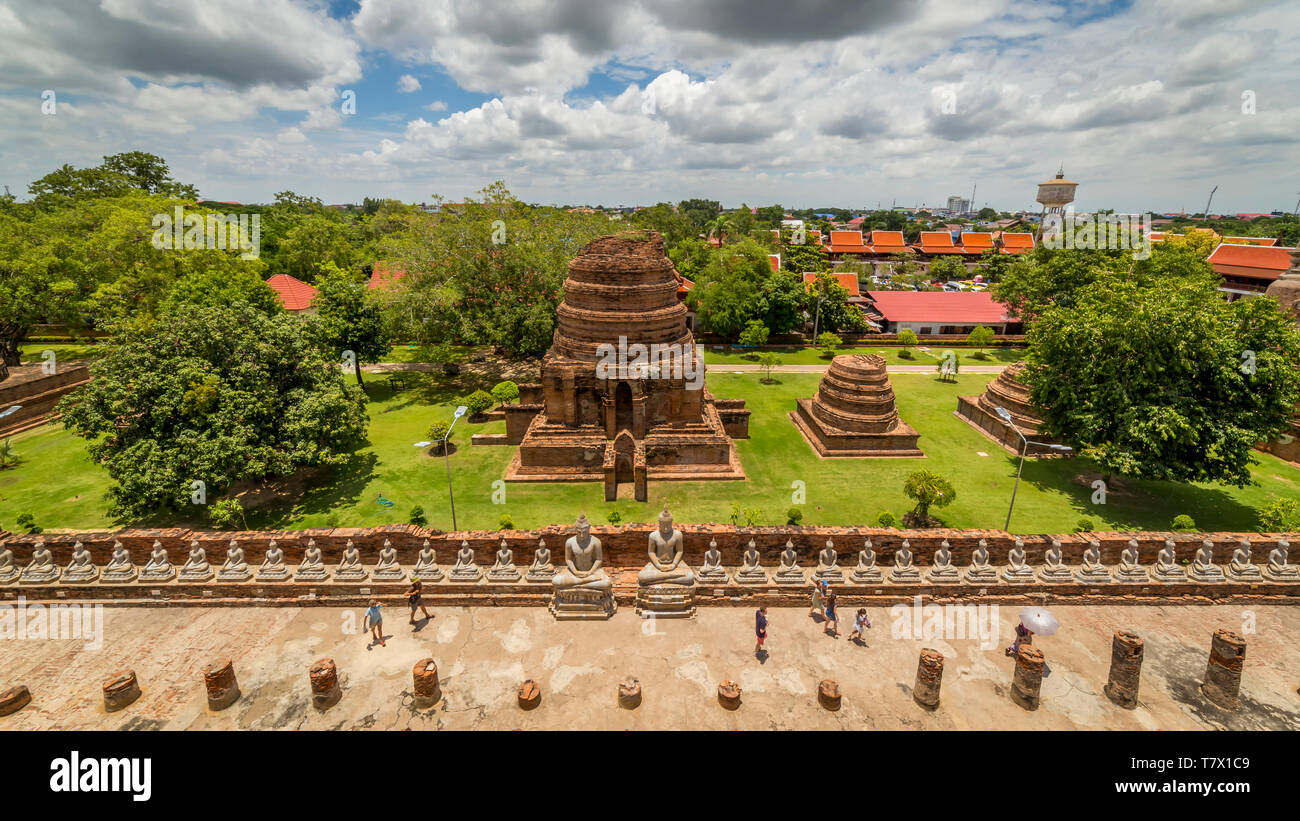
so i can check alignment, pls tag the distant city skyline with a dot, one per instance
(1147, 105)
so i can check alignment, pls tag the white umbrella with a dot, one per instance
(1039, 620)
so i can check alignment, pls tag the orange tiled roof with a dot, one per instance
(937, 242)
(1017, 243)
(976, 241)
(848, 282)
(381, 275)
(888, 242)
(294, 294)
(846, 242)
(1251, 240)
(1259, 261)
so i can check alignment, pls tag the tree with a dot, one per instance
(1280, 516)
(928, 489)
(948, 269)
(218, 395)
(505, 392)
(766, 362)
(227, 514)
(1165, 380)
(907, 338)
(119, 175)
(438, 434)
(310, 247)
(8, 458)
(349, 318)
(829, 302)
(223, 289)
(828, 343)
(987, 214)
(782, 302)
(980, 337)
(949, 365)
(700, 212)
(478, 402)
(754, 335)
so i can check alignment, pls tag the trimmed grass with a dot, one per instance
(63, 490)
(920, 355)
(31, 353)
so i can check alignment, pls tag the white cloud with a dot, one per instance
(407, 84)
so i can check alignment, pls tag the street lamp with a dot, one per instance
(1024, 446)
(460, 411)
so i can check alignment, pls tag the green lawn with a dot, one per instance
(921, 355)
(31, 353)
(57, 484)
(417, 353)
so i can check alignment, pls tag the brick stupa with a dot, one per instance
(644, 418)
(853, 413)
(1009, 392)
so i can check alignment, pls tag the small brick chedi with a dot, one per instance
(622, 396)
(1011, 394)
(853, 413)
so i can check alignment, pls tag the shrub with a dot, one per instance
(907, 338)
(505, 392)
(1184, 523)
(27, 521)
(505, 522)
(227, 514)
(1084, 525)
(478, 402)
(417, 517)
(886, 519)
(1280, 516)
(7, 456)
(614, 517)
(754, 334)
(793, 516)
(828, 343)
(980, 337)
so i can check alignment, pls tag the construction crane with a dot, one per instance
(1206, 216)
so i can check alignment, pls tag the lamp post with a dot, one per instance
(460, 411)
(1024, 447)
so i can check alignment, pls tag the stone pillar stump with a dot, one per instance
(325, 691)
(1125, 669)
(120, 690)
(629, 694)
(1028, 677)
(428, 691)
(828, 694)
(929, 677)
(530, 695)
(729, 695)
(14, 699)
(1223, 672)
(223, 688)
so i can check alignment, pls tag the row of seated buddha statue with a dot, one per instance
(666, 585)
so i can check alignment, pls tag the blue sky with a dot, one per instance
(575, 101)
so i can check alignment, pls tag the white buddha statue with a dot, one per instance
(541, 570)
(751, 569)
(504, 569)
(426, 564)
(903, 572)
(235, 568)
(827, 568)
(1167, 567)
(1203, 567)
(119, 568)
(465, 569)
(665, 552)
(80, 569)
(350, 567)
(1279, 568)
(1018, 569)
(980, 570)
(1092, 571)
(1130, 569)
(1242, 567)
(712, 570)
(789, 572)
(388, 570)
(196, 567)
(312, 566)
(941, 570)
(1054, 569)
(42, 569)
(158, 568)
(582, 588)
(273, 567)
(8, 570)
(866, 572)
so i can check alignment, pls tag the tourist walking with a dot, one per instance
(832, 619)
(375, 621)
(820, 589)
(860, 623)
(416, 600)
(760, 629)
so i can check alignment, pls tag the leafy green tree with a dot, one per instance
(782, 302)
(767, 360)
(886, 519)
(907, 338)
(505, 392)
(8, 457)
(227, 514)
(119, 175)
(980, 337)
(1165, 380)
(948, 269)
(700, 212)
(478, 402)
(754, 335)
(1280, 515)
(793, 516)
(928, 489)
(314, 244)
(828, 343)
(726, 293)
(349, 318)
(829, 302)
(223, 288)
(219, 395)
(417, 517)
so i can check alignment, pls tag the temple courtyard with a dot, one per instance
(484, 653)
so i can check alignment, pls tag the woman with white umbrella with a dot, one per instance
(1033, 620)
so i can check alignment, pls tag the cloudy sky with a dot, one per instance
(1147, 104)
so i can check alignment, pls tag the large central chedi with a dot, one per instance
(622, 396)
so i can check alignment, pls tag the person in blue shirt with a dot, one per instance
(375, 621)
(760, 628)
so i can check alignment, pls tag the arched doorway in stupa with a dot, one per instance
(623, 407)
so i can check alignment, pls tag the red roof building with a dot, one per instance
(1017, 243)
(381, 276)
(937, 242)
(940, 312)
(889, 242)
(1251, 240)
(1248, 270)
(975, 242)
(294, 294)
(846, 242)
(848, 282)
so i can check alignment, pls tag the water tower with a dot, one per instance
(1055, 194)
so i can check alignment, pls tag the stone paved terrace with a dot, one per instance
(484, 653)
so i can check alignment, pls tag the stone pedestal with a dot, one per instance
(862, 574)
(945, 574)
(751, 575)
(790, 576)
(351, 573)
(273, 573)
(391, 573)
(14, 699)
(191, 573)
(577, 604)
(629, 694)
(427, 573)
(1169, 573)
(1028, 678)
(1223, 672)
(311, 573)
(45, 574)
(428, 691)
(904, 575)
(234, 574)
(222, 687)
(1131, 574)
(1244, 572)
(506, 574)
(80, 574)
(929, 677)
(1058, 573)
(1125, 669)
(1018, 574)
(828, 694)
(830, 574)
(9, 574)
(462, 573)
(121, 690)
(540, 573)
(325, 690)
(712, 575)
(729, 695)
(666, 601)
(530, 695)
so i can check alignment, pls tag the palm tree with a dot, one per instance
(7, 456)
(721, 225)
